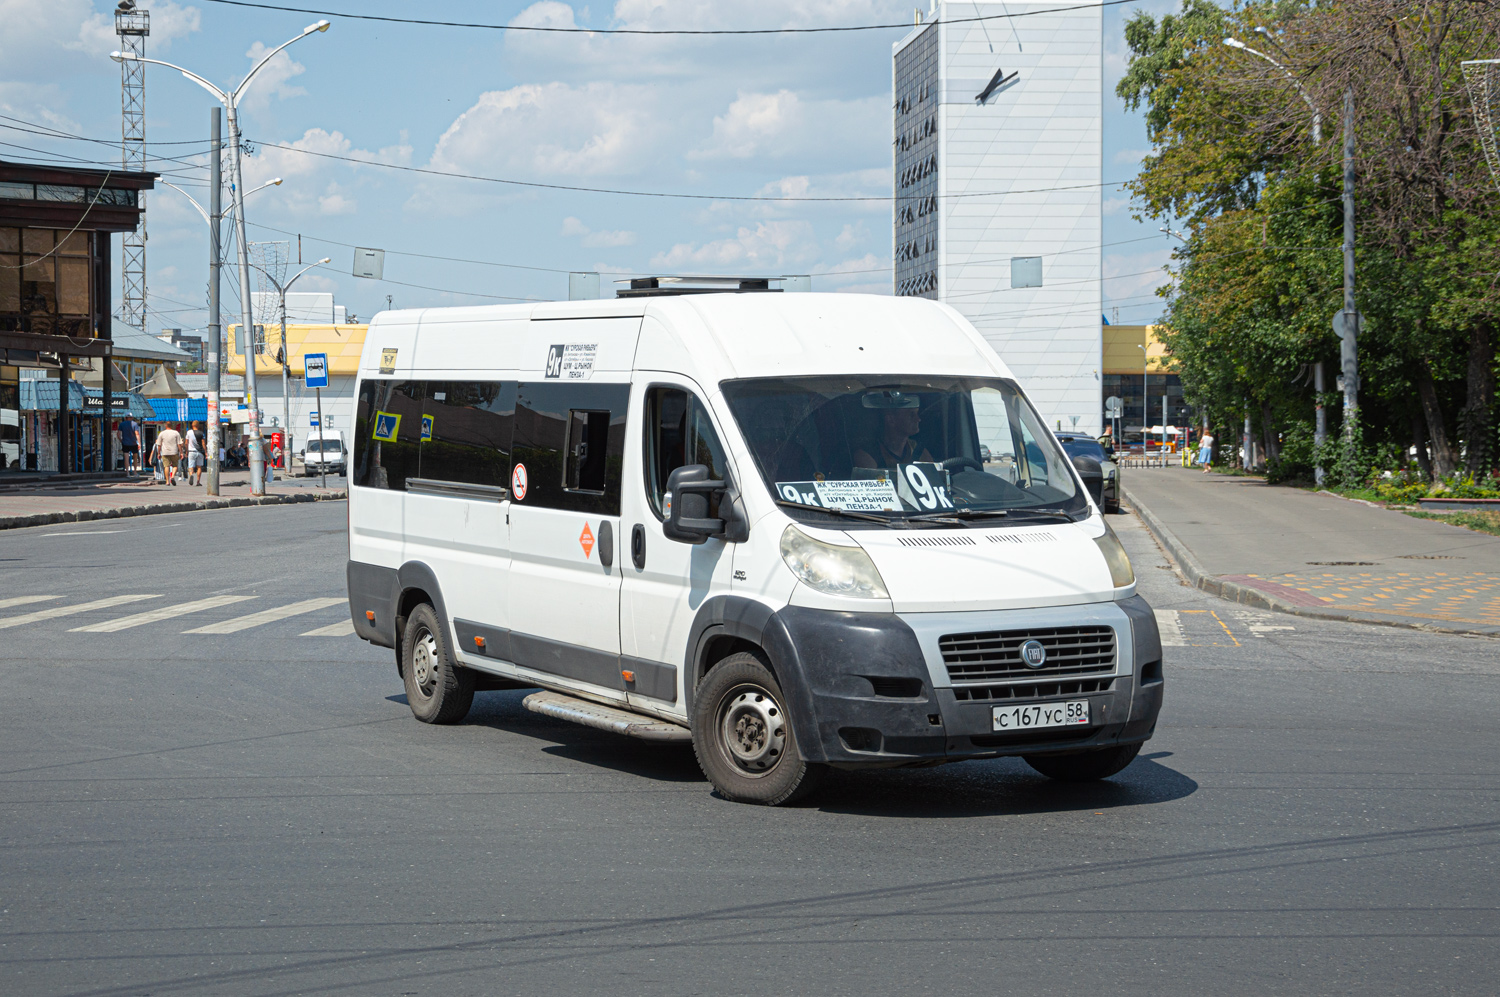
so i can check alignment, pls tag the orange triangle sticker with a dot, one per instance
(586, 539)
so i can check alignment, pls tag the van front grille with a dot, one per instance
(997, 654)
(1037, 690)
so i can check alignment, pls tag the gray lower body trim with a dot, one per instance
(652, 678)
(555, 657)
(496, 640)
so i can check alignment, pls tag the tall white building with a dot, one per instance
(998, 173)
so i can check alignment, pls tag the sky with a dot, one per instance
(804, 116)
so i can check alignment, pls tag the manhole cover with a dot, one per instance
(1344, 564)
(1428, 557)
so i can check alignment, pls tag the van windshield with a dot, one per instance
(907, 448)
(318, 446)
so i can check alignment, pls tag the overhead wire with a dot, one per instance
(550, 29)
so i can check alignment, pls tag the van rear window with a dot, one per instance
(387, 433)
(457, 431)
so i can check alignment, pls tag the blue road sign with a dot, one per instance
(316, 366)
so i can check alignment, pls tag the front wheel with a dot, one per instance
(437, 690)
(744, 739)
(1085, 766)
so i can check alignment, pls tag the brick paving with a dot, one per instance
(1322, 554)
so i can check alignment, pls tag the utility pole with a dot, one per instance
(286, 401)
(247, 321)
(1320, 425)
(1349, 353)
(215, 326)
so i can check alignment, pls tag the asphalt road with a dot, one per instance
(256, 812)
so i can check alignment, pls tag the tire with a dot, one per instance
(740, 747)
(437, 691)
(1085, 766)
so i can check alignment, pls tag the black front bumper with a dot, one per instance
(861, 695)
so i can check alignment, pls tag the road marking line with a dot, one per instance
(82, 607)
(343, 628)
(157, 615)
(23, 600)
(1169, 624)
(266, 616)
(1232, 637)
(82, 533)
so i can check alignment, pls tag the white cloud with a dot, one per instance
(272, 80)
(169, 21)
(768, 244)
(335, 203)
(572, 227)
(753, 123)
(545, 130)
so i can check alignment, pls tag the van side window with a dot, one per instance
(387, 433)
(588, 443)
(571, 437)
(678, 432)
(466, 431)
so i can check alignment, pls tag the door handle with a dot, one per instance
(638, 546)
(606, 543)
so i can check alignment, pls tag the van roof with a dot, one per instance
(717, 337)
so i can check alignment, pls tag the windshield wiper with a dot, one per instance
(868, 517)
(1049, 513)
(957, 515)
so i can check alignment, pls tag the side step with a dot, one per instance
(581, 711)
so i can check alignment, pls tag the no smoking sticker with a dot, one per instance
(518, 482)
(586, 540)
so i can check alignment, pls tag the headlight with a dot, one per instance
(1120, 572)
(831, 569)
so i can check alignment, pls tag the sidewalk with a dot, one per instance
(1317, 554)
(77, 502)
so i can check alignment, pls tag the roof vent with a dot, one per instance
(646, 287)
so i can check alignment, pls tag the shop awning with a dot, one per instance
(123, 403)
(40, 395)
(179, 410)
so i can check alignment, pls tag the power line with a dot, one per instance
(541, 29)
(667, 194)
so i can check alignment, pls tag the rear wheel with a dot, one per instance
(744, 739)
(1085, 766)
(437, 690)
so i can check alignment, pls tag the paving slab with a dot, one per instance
(1317, 554)
(74, 502)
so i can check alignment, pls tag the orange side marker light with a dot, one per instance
(479, 643)
(370, 615)
(628, 676)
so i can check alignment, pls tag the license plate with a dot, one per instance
(1009, 718)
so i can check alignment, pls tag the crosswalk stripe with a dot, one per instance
(23, 600)
(157, 615)
(343, 628)
(82, 607)
(1169, 625)
(266, 616)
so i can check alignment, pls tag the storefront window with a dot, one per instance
(45, 286)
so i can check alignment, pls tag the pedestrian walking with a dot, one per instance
(130, 443)
(1206, 451)
(196, 462)
(169, 447)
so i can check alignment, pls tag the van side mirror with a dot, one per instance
(1093, 477)
(689, 489)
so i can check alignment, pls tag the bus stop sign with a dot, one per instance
(316, 366)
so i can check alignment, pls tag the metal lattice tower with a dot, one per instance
(133, 26)
(1483, 78)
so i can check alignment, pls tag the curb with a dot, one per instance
(89, 515)
(1193, 573)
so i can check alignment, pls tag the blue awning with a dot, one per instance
(124, 403)
(179, 410)
(39, 394)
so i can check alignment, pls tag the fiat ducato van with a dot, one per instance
(800, 531)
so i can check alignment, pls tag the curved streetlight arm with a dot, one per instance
(190, 197)
(320, 26)
(123, 56)
(310, 266)
(1301, 92)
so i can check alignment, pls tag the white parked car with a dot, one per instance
(323, 452)
(800, 530)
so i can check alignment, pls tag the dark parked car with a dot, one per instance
(1079, 445)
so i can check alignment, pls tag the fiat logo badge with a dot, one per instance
(1033, 654)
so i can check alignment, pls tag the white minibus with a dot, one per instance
(802, 531)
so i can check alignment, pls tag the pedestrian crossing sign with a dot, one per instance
(426, 428)
(386, 425)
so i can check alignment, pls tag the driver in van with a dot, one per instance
(900, 421)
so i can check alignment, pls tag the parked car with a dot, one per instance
(324, 452)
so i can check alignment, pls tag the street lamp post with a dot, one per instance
(1320, 426)
(286, 405)
(1145, 397)
(230, 100)
(215, 326)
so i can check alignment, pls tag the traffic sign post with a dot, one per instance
(315, 371)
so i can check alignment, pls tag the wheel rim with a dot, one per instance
(752, 730)
(424, 663)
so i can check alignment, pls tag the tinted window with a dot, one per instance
(387, 433)
(678, 433)
(1083, 448)
(555, 471)
(466, 431)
